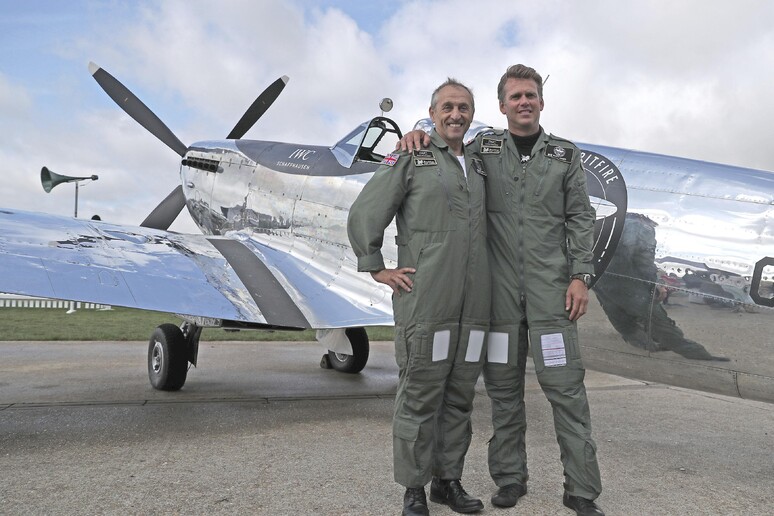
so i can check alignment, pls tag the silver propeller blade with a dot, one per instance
(258, 108)
(134, 107)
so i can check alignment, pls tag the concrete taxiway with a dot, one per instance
(260, 428)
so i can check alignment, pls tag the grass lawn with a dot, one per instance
(125, 324)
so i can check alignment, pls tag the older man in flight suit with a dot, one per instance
(540, 227)
(441, 296)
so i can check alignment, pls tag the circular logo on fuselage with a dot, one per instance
(607, 193)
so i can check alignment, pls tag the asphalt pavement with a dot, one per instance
(260, 428)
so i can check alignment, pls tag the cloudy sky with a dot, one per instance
(690, 78)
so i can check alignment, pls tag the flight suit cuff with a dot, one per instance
(370, 263)
(581, 268)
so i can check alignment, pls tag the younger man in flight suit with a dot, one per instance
(541, 229)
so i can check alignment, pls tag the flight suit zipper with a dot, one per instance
(542, 177)
(520, 251)
(468, 258)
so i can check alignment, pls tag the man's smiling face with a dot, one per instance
(522, 105)
(452, 113)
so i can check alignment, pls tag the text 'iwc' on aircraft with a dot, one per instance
(274, 253)
(684, 255)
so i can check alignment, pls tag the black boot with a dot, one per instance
(451, 493)
(507, 496)
(582, 506)
(414, 502)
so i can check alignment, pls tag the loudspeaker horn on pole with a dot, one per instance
(50, 179)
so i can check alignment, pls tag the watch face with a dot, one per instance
(585, 278)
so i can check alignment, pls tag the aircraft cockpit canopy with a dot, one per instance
(367, 142)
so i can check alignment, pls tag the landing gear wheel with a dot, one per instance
(167, 358)
(355, 362)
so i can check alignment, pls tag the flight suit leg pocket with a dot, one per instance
(401, 348)
(555, 348)
(502, 346)
(503, 360)
(405, 429)
(407, 461)
(472, 349)
(470, 353)
(431, 351)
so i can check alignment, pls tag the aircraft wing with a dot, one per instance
(233, 278)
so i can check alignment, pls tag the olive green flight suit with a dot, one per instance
(440, 325)
(541, 228)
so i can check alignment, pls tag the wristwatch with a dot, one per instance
(585, 278)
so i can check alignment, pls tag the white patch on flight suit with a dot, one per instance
(441, 345)
(497, 348)
(475, 344)
(554, 354)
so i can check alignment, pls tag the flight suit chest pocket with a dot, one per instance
(430, 193)
(545, 192)
(498, 189)
(477, 188)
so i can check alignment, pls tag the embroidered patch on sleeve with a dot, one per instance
(390, 159)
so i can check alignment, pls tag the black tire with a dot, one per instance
(167, 358)
(354, 363)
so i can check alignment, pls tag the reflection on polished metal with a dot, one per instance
(680, 301)
(50, 179)
(684, 255)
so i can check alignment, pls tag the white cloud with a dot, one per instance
(688, 78)
(14, 99)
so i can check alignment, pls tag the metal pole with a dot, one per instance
(76, 200)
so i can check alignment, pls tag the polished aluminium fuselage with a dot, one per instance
(294, 200)
(714, 227)
(714, 249)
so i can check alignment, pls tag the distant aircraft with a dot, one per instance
(274, 254)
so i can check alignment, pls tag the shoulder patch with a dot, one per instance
(478, 166)
(560, 153)
(424, 158)
(390, 159)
